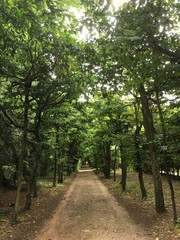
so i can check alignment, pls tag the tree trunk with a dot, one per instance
(55, 167)
(177, 170)
(123, 168)
(23, 157)
(1, 177)
(60, 172)
(165, 157)
(138, 155)
(56, 155)
(107, 160)
(32, 191)
(34, 188)
(149, 130)
(139, 164)
(115, 161)
(32, 179)
(30, 187)
(72, 156)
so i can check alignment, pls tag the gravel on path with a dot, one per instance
(89, 211)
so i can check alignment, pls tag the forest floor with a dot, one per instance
(83, 208)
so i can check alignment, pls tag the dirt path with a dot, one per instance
(89, 211)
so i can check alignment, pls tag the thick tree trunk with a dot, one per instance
(149, 130)
(32, 179)
(32, 191)
(30, 188)
(139, 163)
(23, 151)
(142, 186)
(175, 217)
(138, 155)
(123, 168)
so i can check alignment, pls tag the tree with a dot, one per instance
(36, 51)
(149, 130)
(165, 156)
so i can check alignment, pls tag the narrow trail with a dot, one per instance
(89, 211)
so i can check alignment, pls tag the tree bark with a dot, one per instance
(123, 168)
(115, 161)
(139, 165)
(37, 149)
(149, 131)
(1, 177)
(56, 155)
(107, 160)
(55, 167)
(23, 157)
(175, 217)
(32, 179)
(60, 172)
(138, 155)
